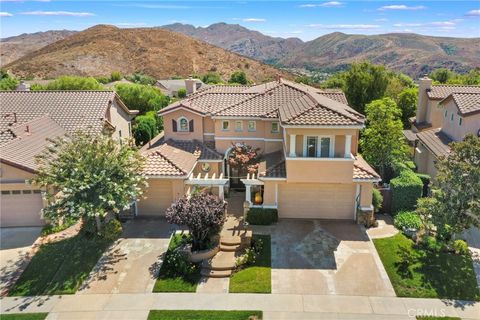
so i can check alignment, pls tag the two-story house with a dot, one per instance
(445, 113)
(27, 120)
(307, 137)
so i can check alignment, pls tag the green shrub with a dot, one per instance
(431, 244)
(406, 189)
(426, 183)
(112, 230)
(145, 128)
(407, 220)
(377, 200)
(54, 228)
(115, 76)
(103, 80)
(460, 247)
(182, 93)
(261, 216)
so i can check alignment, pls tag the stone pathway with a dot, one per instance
(274, 306)
(385, 227)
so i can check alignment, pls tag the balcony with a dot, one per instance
(320, 170)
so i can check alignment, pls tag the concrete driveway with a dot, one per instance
(131, 265)
(15, 245)
(325, 257)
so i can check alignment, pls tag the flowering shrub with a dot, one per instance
(244, 157)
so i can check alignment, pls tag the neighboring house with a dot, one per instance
(445, 113)
(170, 87)
(308, 139)
(27, 119)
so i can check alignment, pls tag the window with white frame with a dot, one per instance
(275, 127)
(318, 147)
(225, 125)
(252, 126)
(239, 126)
(183, 124)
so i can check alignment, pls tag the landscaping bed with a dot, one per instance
(60, 267)
(169, 279)
(417, 272)
(24, 316)
(204, 315)
(255, 278)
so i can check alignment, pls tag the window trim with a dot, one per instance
(228, 125)
(278, 127)
(241, 126)
(254, 126)
(179, 124)
(331, 151)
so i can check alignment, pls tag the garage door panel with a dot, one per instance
(21, 210)
(316, 201)
(158, 199)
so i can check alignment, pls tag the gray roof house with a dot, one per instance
(170, 87)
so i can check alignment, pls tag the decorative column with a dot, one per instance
(348, 145)
(293, 138)
(220, 191)
(248, 193)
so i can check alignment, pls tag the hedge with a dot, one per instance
(406, 189)
(426, 183)
(261, 216)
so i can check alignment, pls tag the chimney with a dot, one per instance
(278, 77)
(23, 86)
(27, 129)
(191, 85)
(424, 86)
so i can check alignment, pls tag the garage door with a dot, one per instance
(158, 198)
(316, 201)
(20, 209)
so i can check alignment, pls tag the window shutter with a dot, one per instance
(174, 125)
(190, 125)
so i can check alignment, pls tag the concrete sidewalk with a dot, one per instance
(275, 306)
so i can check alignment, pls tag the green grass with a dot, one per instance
(60, 267)
(24, 316)
(50, 229)
(184, 283)
(418, 273)
(203, 315)
(257, 277)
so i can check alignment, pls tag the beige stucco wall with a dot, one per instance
(470, 124)
(9, 173)
(339, 135)
(223, 145)
(215, 168)
(434, 113)
(322, 170)
(120, 120)
(197, 125)
(425, 161)
(366, 189)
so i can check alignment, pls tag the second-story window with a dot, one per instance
(451, 118)
(460, 122)
(252, 126)
(239, 126)
(446, 113)
(275, 127)
(183, 124)
(225, 125)
(311, 147)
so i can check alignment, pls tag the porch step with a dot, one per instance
(231, 241)
(221, 261)
(230, 248)
(216, 273)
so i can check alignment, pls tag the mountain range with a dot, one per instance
(170, 50)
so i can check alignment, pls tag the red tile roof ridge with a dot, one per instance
(158, 151)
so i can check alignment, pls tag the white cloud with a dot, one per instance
(435, 25)
(401, 7)
(330, 4)
(5, 14)
(254, 20)
(345, 26)
(58, 13)
(473, 13)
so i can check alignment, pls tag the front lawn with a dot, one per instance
(60, 267)
(418, 273)
(24, 316)
(257, 277)
(203, 315)
(179, 283)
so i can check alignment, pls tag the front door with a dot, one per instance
(235, 175)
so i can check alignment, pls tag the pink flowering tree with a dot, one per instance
(244, 157)
(202, 213)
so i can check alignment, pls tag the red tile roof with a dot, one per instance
(467, 103)
(436, 141)
(363, 171)
(166, 160)
(442, 91)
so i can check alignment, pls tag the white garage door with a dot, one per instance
(159, 197)
(316, 201)
(20, 209)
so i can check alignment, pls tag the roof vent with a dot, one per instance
(23, 86)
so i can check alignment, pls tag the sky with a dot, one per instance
(306, 20)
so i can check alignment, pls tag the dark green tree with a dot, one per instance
(407, 102)
(238, 77)
(71, 83)
(141, 97)
(212, 78)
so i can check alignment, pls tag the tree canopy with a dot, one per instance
(407, 102)
(382, 142)
(70, 83)
(86, 176)
(238, 77)
(7, 82)
(141, 97)
(212, 78)
(446, 76)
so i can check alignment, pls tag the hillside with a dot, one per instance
(13, 48)
(161, 53)
(241, 40)
(412, 54)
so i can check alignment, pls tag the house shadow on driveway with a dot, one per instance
(325, 257)
(132, 263)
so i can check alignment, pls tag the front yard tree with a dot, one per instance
(382, 141)
(458, 187)
(86, 176)
(244, 157)
(202, 213)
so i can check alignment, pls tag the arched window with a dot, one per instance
(183, 124)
